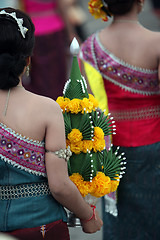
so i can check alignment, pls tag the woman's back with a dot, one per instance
(26, 113)
(132, 43)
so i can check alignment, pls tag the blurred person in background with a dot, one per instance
(51, 58)
(77, 17)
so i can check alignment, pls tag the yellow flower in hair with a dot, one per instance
(95, 8)
(87, 145)
(74, 105)
(98, 133)
(98, 144)
(93, 100)
(75, 136)
(76, 147)
(87, 106)
(101, 185)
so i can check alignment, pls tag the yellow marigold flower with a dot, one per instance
(63, 102)
(76, 147)
(87, 106)
(98, 133)
(82, 185)
(87, 145)
(74, 106)
(60, 101)
(114, 184)
(98, 144)
(101, 185)
(93, 100)
(75, 136)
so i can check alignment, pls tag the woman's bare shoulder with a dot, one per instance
(47, 106)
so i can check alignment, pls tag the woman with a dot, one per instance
(49, 68)
(126, 58)
(31, 130)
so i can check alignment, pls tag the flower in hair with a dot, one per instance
(19, 22)
(96, 8)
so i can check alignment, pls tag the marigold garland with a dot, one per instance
(77, 105)
(100, 185)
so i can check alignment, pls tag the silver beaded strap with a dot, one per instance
(62, 153)
(24, 191)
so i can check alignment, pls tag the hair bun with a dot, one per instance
(9, 70)
(119, 7)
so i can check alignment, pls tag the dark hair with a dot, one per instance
(119, 7)
(14, 49)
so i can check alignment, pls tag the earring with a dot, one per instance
(27, 71)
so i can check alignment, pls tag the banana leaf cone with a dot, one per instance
(93, 167)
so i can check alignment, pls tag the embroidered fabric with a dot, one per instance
(24, 190)
(21, 152)
(137, 114)
(128, 77)
(62, 153)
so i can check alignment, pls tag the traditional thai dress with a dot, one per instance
(133, 97)
(27, 207)
(48, 71)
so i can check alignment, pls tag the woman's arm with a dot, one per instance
(62, 188)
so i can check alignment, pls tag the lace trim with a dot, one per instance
(24, 191)
(62, 153)
(23, 138)
(14, 164)
(137, 114)
(120, 61)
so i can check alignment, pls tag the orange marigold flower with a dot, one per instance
(74, 106)
(101, 185)
(114, 184)
(98, 144)
(87, 145)
(98, 133)
(87, 106)
(82, 185)
(63, 102)
(75, 136)
(93, 100)
(76, 147)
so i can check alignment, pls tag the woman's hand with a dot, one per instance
(92, 225)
